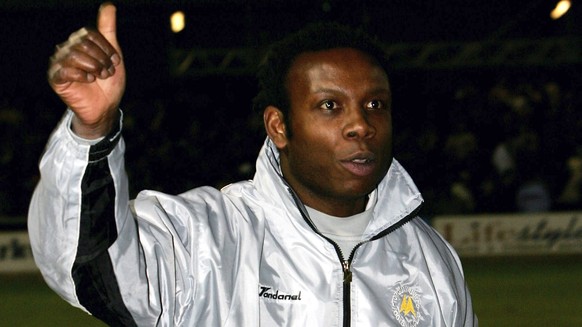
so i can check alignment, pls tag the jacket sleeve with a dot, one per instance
(78, 209)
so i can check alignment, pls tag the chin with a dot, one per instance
(361, 190)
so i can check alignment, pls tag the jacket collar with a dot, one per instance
(397, 195)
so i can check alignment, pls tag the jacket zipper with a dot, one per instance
(347, 290)
(347, 264)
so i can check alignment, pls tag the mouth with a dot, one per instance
(361, 164)
(361, 160)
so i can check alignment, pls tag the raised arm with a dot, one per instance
(129, 264)
(82, 232)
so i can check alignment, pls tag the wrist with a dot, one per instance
(95, 130)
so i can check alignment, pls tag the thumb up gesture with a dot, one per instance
(87, 72)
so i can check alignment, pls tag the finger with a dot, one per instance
(84, 53)
(63, 75)
(64, 48)
(86, 37)
(91, 54)
(107, 48)
(69, 68)
(107, 24)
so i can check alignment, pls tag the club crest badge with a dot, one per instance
(406, 306)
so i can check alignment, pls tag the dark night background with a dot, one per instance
(196, 128)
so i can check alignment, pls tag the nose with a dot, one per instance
(358, 125)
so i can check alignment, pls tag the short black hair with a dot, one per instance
(273, 70)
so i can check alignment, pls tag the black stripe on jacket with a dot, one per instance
(95, 281)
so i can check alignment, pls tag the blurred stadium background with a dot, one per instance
(487, 115)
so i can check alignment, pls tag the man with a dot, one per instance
(326, 234)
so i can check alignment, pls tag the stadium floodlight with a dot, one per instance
(561, 8)
(177, 21)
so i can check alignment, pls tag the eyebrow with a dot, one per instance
(379, 89)
(376, 90)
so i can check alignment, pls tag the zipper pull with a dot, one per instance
(347, 272)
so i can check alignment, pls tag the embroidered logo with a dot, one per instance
(276, 295)
(406, 305)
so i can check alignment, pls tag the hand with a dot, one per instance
(87, 72)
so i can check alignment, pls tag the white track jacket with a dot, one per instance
(247, 255)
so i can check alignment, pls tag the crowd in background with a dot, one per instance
(511, 145)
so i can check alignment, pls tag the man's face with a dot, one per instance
(341, 141)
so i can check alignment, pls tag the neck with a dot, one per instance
(337, 207)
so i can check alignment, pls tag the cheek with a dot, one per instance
(312, 148)
(322, 144)
(384, 128)
(313, 132)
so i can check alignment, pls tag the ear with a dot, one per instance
(275, 126)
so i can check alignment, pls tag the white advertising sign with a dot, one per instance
(513, 234)
(15, 253)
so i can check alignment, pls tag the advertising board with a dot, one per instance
(15, 253)
(513, 234)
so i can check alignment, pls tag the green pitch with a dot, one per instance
(536, 291)
(506, 292)
(28, 301)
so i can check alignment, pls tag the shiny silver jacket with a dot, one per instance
(247, 255)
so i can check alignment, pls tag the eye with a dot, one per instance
(375, 104)
(328, 105)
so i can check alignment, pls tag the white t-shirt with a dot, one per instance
(345, 231)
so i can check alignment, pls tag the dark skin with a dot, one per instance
(87, 72)
(340, 113)
(341, 145)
